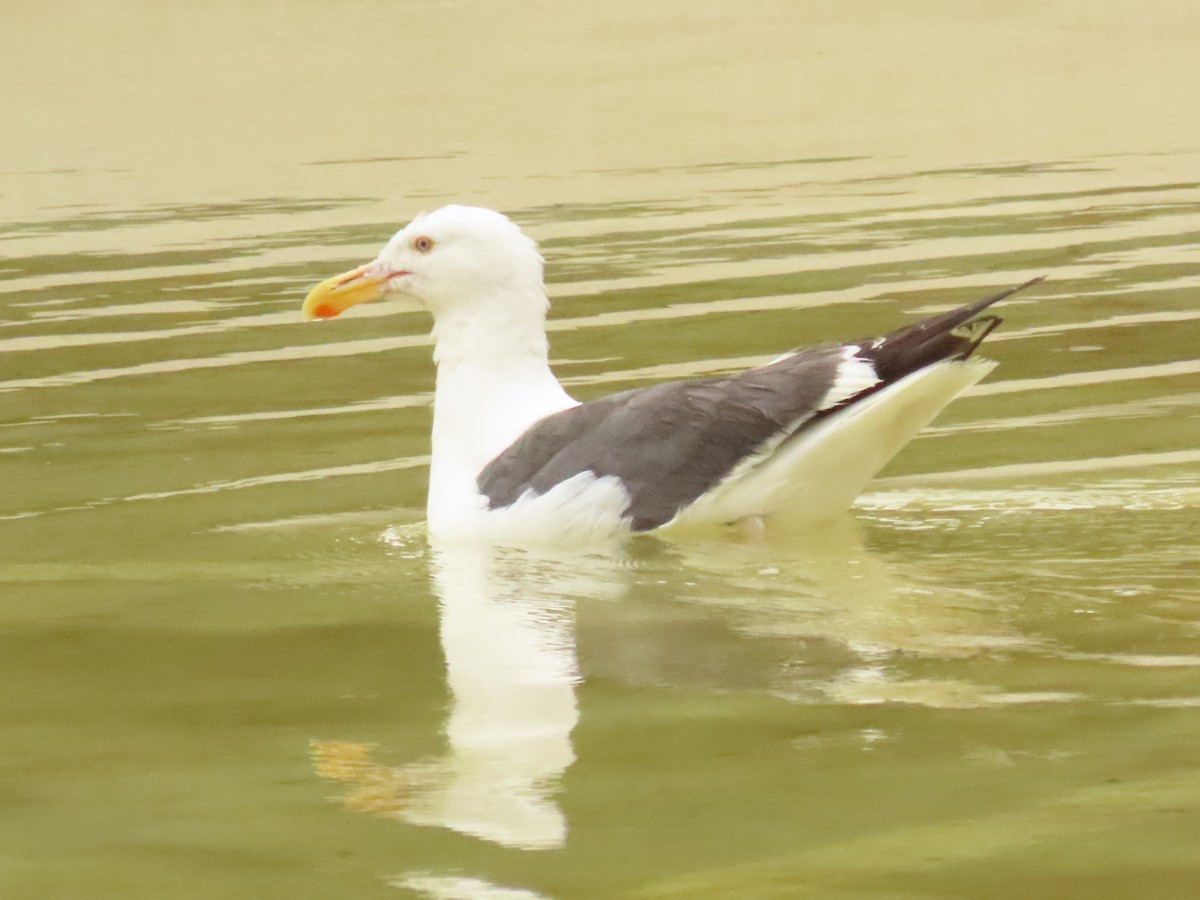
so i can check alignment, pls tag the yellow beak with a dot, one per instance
(337, 294)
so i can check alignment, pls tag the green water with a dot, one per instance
(231, 664)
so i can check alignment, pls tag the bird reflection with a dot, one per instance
(508, 636)
(812, 615)
(818, 618)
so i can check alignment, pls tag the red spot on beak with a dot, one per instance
(324, 311)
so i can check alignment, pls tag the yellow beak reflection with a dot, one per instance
(337, 294)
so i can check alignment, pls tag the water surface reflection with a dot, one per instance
(508, 637)
(812, 618)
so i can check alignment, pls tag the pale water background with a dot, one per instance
(231, 665)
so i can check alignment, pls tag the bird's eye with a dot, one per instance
(422, 243)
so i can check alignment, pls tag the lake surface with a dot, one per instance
(232, 664)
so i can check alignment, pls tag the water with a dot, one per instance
(232, 664)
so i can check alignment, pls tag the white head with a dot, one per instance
(457, 258)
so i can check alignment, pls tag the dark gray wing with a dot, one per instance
(670, 443)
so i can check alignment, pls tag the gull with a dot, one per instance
(515, 458)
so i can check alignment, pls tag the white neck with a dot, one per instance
(493, 382)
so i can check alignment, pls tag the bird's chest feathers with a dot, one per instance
(479, 411)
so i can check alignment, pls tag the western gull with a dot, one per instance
(516, 458)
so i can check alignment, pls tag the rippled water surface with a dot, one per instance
(233, 666)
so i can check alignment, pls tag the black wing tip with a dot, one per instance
(980, 305)
(979, 327)
(954, 334)
(1026, 284)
